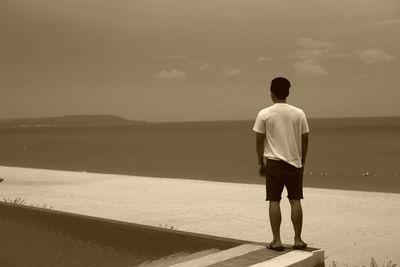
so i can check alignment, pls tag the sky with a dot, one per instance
(198, 60)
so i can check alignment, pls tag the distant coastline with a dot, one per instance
(98, 120)
(354, 122)
(68, 120)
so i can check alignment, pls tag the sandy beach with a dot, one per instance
(351, 226)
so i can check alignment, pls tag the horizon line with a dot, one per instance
(205, 120)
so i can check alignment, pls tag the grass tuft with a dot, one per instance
(16, 201)
(166, 226)
(42, 206)
(386, 263)
(21, 201)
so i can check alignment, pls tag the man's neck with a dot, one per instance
(280, 101)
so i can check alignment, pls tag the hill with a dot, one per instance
(69, 120)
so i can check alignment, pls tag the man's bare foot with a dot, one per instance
(276, 245)
(299, 244)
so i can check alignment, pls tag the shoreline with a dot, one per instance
(354, 182)
(347, 224)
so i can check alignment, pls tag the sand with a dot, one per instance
(351, 226)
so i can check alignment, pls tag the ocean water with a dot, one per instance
(357, 154)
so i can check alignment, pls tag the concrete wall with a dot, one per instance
(33, 232)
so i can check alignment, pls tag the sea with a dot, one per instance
(344, 153)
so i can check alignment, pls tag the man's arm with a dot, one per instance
(304, 148)
(260, 142)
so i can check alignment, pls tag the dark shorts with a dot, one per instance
(280, 174)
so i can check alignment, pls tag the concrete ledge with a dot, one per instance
(111, 231)
(296, 258)
(59, 237)
(65, 230)
(220, 256)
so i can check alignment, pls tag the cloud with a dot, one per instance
(230, 72)
(309, 67)
(172, 75)
(310, 48)
(310, 55)
(374, 56)
(198, 64)
(311, 44)
(172, 57)
(262, 59)
(204, 66)
(360, 76)
(387, 23)
(176, 57)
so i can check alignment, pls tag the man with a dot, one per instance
(282, 140)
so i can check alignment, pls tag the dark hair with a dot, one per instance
(280, 87)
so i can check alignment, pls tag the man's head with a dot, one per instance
(280, 88)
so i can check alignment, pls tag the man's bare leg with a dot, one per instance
(297, 220)
(275, 219)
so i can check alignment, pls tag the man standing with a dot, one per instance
(282, 140)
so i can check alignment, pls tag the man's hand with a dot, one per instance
(260, 142)
(262, 171)
(304, 148)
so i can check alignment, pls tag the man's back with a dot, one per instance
(283, 125)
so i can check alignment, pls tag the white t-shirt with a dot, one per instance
(283, 125)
